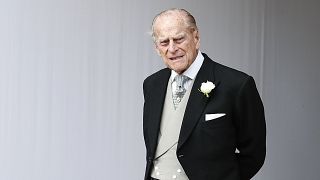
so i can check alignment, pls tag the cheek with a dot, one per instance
(163, 57)
(166, 61)
(161, 51)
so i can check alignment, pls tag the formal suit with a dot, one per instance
(206, 149)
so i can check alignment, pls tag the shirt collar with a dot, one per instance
(193, 70)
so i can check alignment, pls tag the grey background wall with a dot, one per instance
(71, 75)
(291, 89)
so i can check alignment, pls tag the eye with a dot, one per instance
(179, 40)
(164, 43)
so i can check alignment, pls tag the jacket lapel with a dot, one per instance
(197, 100)
(158, 92)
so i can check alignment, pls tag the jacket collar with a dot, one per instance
(197, 101)
(158, 90)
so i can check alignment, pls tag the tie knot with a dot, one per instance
(181, 80)
(180, 89)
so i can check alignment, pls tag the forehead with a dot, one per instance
(170, 25)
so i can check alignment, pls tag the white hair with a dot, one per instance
(187, 17)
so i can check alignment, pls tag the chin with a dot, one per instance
(178, 70)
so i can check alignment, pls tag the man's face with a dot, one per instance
(176, 43)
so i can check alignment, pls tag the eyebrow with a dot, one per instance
(181, 35)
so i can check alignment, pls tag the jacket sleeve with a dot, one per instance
(145, 109)
(251, 129)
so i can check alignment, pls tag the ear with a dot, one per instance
(156, 49)
(196, 37)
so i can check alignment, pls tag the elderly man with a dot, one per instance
(201, 120)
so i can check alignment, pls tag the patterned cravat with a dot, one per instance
(180, 90)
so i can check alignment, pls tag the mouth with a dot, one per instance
(176, 58)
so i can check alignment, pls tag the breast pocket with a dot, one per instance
(216, 120)
(210, 117)
(217, 131)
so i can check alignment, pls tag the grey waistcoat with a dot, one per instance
(166, 164)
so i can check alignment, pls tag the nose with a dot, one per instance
(172, 47)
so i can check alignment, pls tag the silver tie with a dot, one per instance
(180, 90)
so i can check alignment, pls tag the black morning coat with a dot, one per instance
(206, 149)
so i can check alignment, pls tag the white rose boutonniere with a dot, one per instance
(206, 88)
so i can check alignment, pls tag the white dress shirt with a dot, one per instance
(191, 72)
